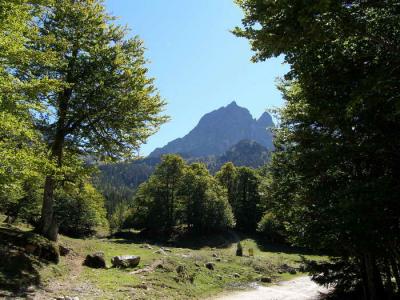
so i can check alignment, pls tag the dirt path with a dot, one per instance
(298, 289)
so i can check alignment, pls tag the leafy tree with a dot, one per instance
(155, 203)
(80, 210)
(119, 217)
(205, 201)
(23, 156)
(242, 185)
(334, 174)
(104, 103)
(227, 177)
(247, 206)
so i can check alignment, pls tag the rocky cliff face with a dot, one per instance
(219, 130)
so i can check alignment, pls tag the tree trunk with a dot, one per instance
(47, 207)
(48, 222)
(369, 272)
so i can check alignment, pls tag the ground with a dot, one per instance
(177, 271)
(301, 288)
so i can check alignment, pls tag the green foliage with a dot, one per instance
(23, 156)
(334, 176)
(180, 194)
(119, 216)
(272, 228)
(155, 204)
(80, 210)
(205, 201)
(242, 185)
(70, 82)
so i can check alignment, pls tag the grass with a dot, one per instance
(181, 272)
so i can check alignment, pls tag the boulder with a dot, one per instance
(95, 260)
(210, 265)
(146, 246)
(64, 251)
(266, 279)
(125, 261)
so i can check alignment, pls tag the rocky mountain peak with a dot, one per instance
(219, 130)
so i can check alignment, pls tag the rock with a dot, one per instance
(165, 249)
(180, 269)
(215, 255)
(29, 248)
(230, 124)
(95, 260)
(64, 251)
(30, 289)
(266, 279)
(41, 247)
(141, 286)
(239, 249)
(160, 251)
(288, 269)
(125, 261)
(146, 246)
(218, 259)
(210, 265)
(236, 275)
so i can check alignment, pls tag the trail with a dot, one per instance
(298, 289)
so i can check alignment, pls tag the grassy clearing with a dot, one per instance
(193, 280)
(178, 273)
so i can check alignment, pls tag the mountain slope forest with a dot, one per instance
(237, 200)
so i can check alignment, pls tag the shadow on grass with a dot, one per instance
(19, 269)
(267, 246)
(177, 238)
(183, 238)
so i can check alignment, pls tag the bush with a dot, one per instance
(271, 228)
(80, 211)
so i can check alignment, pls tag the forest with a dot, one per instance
(75, 94)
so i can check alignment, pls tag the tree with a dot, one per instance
(242, 185)
(155, 202)
(205, 202)
(227, 177)
(80, 210)
(333, 176)
(23, 156)
(247, 207)
(105, 105)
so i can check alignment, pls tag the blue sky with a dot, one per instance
(198, 64)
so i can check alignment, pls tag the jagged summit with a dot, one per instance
(219, 130)
(265, 120)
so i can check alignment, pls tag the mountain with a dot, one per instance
(218, 131)
(245, 153)
(228, 134)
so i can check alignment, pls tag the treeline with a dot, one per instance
(72, 86)
(334, 177)
(119, 181)
(178, 193)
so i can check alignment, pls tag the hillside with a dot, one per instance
(168, 269)
(228, 134)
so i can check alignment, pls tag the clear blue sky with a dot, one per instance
(199, 65)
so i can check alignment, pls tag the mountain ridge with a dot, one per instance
(219, 130)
